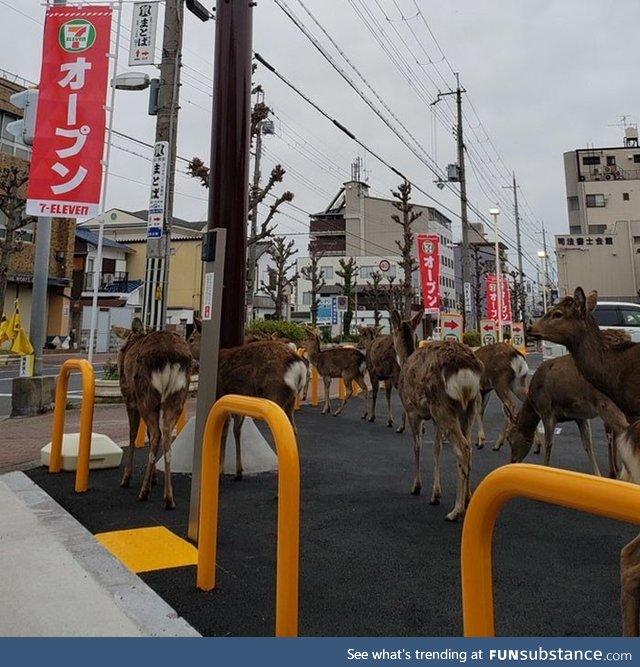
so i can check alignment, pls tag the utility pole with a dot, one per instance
(467, 298)
(159, 248)
(520, 300)
(251, 272)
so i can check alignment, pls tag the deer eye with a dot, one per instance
(556, 315)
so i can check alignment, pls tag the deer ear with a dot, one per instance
(579, 300)
(197, 322)
(379, 330)
(136, 325)
(415, 320)
(120, 332)
(592, 300)
(395, 319)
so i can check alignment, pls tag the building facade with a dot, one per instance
(602, 249)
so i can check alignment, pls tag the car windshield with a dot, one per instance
(630, 318)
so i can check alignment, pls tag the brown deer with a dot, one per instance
(347, 363)
(440, 381)
(382, 366)
(266, 368)
(613, 370)
(505, 372)
(558, 393)
(155, 369)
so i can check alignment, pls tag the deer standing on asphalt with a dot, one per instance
(268, 369)
(347, 363)
(440, 381)
(558, 393)
(505, 372)
(155, 370)
(613, 370)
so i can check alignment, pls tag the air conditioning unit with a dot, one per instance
(607, 169)
(597, 178)
(582, 177)
(608, 177)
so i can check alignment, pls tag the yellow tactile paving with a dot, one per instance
(147, 549)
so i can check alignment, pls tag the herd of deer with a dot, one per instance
(444, 381)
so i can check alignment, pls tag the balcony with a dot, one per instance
(113, 282)
(327, 226)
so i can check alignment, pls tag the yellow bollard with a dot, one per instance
(606, 497)
(341, 389)
(314, 386)
(141, 435)
(86, 420)
(288, 545)
(182, 419)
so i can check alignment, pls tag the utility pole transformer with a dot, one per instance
(159, 248)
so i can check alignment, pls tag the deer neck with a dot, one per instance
(527, 420)
(592, 358)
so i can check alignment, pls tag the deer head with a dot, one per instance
(569, 319)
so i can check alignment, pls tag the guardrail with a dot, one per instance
(288, 546)
(598, 495)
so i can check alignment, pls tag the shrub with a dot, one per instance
(471, 338)
(111, 371)
(290, 330)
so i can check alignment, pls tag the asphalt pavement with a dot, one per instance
(374, 559)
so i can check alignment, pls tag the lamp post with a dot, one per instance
(495, 212)
(543, 256)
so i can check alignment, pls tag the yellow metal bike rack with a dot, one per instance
(141, 435)
(86, 420)
(606, 497)
(288, 546)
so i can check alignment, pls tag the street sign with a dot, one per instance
(517, 337)
(487, 332)
(451, 326)
(143, 33)
(384, 265)
(467, 298)
(158, 189)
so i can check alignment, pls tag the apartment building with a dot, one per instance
(356, 224)
(602, 249)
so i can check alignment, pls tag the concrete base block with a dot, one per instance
(32, 396)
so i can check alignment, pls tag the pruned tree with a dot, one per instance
(408, 263)
(377, 295)
(348, 271)
(395, 298)
(518, 296)
(481, 269)
(315, 276)
(280, 277)
(12, 204)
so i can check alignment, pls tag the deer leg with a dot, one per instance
(403, 421)
(365, 395)
(630, 587)
(585, 438)
(549, 424)
(348, 384)
(388, 386)
(462, 449)
(223, 443)
(238, 420)
(466, 424)
(416, 429)
(481, 406)
(375, 385)
(170, 413)
(612, 452)
(327, 399)
(153, 427)
(508, 409)
(436, 492)
(134, 423)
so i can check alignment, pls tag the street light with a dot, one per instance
(543, 256)
(495, 212)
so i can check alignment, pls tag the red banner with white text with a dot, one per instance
(492, 299)
(66, 165)
(429, 258)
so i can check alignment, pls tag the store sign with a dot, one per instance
(492, 300)
(143, 33)
(429, 259)
(158, 189)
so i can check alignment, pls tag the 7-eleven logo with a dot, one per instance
(77, 35)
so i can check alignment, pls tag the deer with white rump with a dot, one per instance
(155, 369)
(440, 381)
(613, 370)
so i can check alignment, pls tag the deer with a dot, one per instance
(155, 370)
(267, 368)
(382, 366)
(559, 393)
(612, 370)
(505, 372)
(440, 381)
(347, 363)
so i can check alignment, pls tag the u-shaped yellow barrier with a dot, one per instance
(86, 420)
(288, 547)
(606, 497)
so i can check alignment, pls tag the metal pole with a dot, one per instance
(230, 139)
(464, 219)
(159, 249)
(251, 273)
(39, 294)
(519, 248)
(495, 212)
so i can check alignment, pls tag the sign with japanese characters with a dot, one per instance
(429, 258)
(158, 189)
(66, 165)
(492, 300)
(143, 33)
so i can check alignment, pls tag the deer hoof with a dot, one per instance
(416, 491)
(238, 477)
(400, 429)
(169, 504)
(479, 445)
(496, 448)
(453, 516)
(389, 424)
(435, 500)
(125, 483)
(143, 496)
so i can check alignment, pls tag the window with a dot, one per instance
(611, 160)
(636, 157)
(366, 271)
(573, 203)
(630, 318)
(10, 144)
(606, 316)
(306, 298)
(327, 271)
(24, 234)
(595, 201)
(590, 160)
(625, 196)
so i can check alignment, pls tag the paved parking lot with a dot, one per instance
(375, 560)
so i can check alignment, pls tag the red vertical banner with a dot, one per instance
(429, 258)
(492, 299)
(66, 166)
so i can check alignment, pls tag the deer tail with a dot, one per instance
(520, 375)
(463, 386)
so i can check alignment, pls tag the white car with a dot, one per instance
(608, 315)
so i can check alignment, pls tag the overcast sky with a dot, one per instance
(541, 77)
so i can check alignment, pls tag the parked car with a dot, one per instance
(608, 315)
